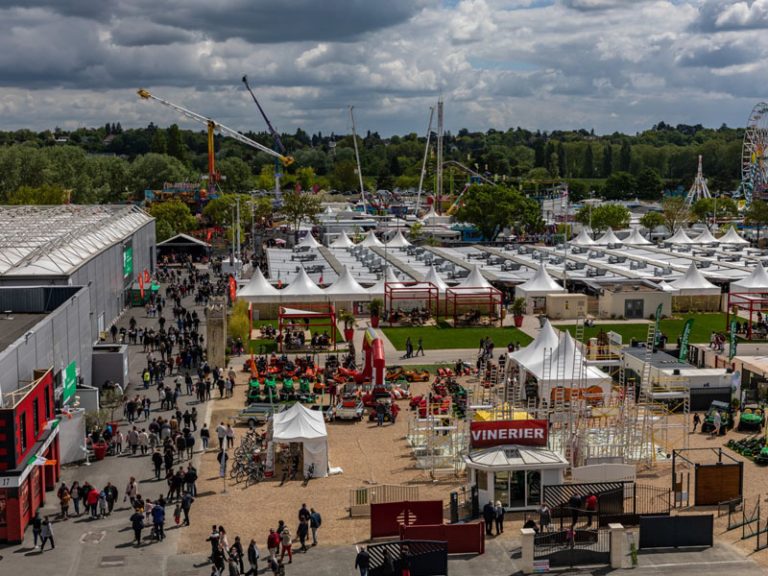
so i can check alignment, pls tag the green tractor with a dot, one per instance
(726, 417)
(752, 419)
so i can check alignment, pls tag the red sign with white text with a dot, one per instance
(521, 432)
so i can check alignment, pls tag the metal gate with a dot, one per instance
(573, 547)
(427, 557)
(676, 531)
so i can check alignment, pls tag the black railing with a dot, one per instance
(425, 557)
(573, 547)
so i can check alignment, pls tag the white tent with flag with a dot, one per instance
(258, 289)
(757, 281)
(583, 239)
(679, 237)
(302, 289)
(371, 240)
(608, 238)
(342, 241)
(636, 239)
(302, 425)
(398, 241)
(732, 237)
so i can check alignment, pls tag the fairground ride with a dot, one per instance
(754, 156)
(213, 126)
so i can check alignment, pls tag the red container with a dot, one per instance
(349, 334)
(375, 321)
(99, 451)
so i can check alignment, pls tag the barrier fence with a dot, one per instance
(461, 538)
(386, 518)
(573, 547)
(360, 499)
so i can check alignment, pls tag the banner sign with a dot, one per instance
(658, 320)
(684, 340)
(70, 382)
(521, 432)
(127, 261)
(732, 345)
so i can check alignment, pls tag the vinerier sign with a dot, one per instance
(521, 432)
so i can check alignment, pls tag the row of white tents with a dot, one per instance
(731, 238)
(370, 240)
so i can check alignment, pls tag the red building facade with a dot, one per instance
(28, 430)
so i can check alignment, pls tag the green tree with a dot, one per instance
(305, 177)
(344, 176)
(562, 161)
(266, 178)
(649, 184)
(176, 147)
(704, 208)
(173, 217)
(652, 220)
(492, 208)
(150, 171)
(604, 216)
(236, 175)
(625, 156)
(588, 168)
(159, 143)
(607, 160)
(675, 213)
(300, 206)
(619, 186)
(757, 215)
(45, 195)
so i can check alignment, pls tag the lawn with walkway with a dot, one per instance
(703, 326)
(446, 337)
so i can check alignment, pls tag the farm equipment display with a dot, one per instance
(726, 417)
(751, 418)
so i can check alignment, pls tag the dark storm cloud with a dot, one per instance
(137, 32)
(711, 56)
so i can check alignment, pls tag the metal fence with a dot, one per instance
(426, 558)
(360, 499)
(573, 547)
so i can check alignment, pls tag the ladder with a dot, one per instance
(646, 448)
(578, 334)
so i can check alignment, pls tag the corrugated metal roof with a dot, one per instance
(55, 240)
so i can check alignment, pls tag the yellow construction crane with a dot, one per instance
(214, 126)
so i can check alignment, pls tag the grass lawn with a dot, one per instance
(440, 337)
(703, 326)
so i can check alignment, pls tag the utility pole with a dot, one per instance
(238, 255)
(439, 191)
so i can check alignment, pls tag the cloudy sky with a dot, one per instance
(603, 64)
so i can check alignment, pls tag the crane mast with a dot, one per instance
(214, 126)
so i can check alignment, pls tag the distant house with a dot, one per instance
(61, 139)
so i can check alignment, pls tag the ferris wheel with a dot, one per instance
(754, 155)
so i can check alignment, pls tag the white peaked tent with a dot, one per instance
(732, 237)
(540, 285)
(566, 368)
(329, 210)
(390, 278)
(258, 289)
(309, 240)
(755, 282)
(693, 283)
(371, 240)
(342, 241)
(679, 237)
(608, 238)
(300, 424)
(398, 241)
(582, 239)
(475, 280)
(705, 238)
(636, 239)
(347, 287)
(302, 289)
(546, 339)
(433, 277)
(430, 217)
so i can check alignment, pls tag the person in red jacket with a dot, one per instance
(591, 505)
(273, 543)
(92, 500)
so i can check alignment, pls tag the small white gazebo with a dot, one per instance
(636, 239)
(299, 424)
(475, 280)
(346, 287)
(732, 237)
(371, 240)
(679, 237)
(695, 293)
(258, 289)
(582, 239)
(398, 241)
(342, 241)
(433, 277)
(608, 238)
(536, 289)
(302, 289)
(706, 238)
(757, 281)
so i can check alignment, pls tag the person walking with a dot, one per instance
(590, 503)
(64, 500)
(158, 522)
(37, 527)
(205, 436)
(46, 533)
(230, 436)
(489, 515)
(545, 517)
(157, 462)
(421, 347)
(221, 433)
(362, 561)
(315, 520)
(186, 506)
(717, 422)
(696, 421)
(303, 532)
(253, 558)
(408, 347)
(214, 539)
(499, 517)
(273, 543)
(137, 523)
(287, 543)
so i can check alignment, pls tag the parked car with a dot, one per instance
(258, 414)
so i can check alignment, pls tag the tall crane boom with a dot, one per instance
(272, 130)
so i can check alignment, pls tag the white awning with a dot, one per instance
(732, 237)
(694, 283)
(258, 289)
(608, 238)
(540, 285)
(513, 457)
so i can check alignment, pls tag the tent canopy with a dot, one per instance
(694, 283)
(540, 285)
(309, 240)
(390, 278)
(342, 241)
(300, 424)
(679, 237)
(433, 277)
(303, 288)
(705, 238)
(346, 285)
(183, 240)
(636, 239)
(475, 280)
(371, 240)
(258, 289)
(583, 239)
(608, 238)
(757, 281)
(546, 338)
(732, 237)
(398, 241)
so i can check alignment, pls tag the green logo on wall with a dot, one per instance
(70, 382)
(127, 261)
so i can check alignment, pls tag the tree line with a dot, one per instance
(112, 164)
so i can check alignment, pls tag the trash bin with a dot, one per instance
(99, 451)
(542, 319)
